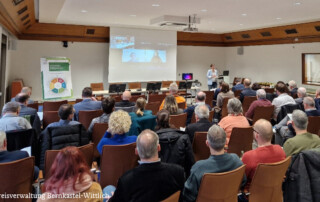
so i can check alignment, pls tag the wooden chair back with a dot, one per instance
(173, 198)
(17, 178)
(263, 112)
(115, 161)
(53, 106)
(182, 105)
(156, 97)
(134, 85)
(237, 93)
(96, 86)
(99, 129)
(211, 113)
(266, 184)
(269, 90)
(34, 106)
(85, 117)
(153, 106)
(236, 80)
(224, 109)
(166, 84)
(179, 120)
(49, 117)
(79, 100)
(200, 149)
(135, 97)
(209, 97)
(313, 124)
(50, 156)
(241, 140)
(117, 98)
(247, 102)
(218, 187)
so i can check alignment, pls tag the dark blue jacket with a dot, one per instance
(247, 92)
(86, 105)
(238, 87)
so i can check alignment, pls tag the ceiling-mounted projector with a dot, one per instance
(191, 25)
(176, 21)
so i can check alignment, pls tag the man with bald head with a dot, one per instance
(265, 153)
(247, 91)
(152, 180)
(200, 100)
(125, 103)
(88, 103)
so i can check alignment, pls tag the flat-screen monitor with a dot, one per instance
(187, 76)
(226, 73)
(185, 84)
(153, 86)
(117, 88)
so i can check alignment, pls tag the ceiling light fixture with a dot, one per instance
(133, 15)
(297, 4)
(241, 24)
(155, 5)
(84, 11)
(244, 14)
(278, 18)
(204, 10)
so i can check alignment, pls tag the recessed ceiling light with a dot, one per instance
(155, 5)
(278, 18)
(204, 10)
(297, 3)
(84, 11)
(241, 24)
(244, 14)
(133, 15)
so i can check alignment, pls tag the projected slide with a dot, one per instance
(142, 55)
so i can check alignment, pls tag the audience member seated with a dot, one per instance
(10, 119)
(303, 140)
(234, 118)
(282, 99)
(216, 163)
(302, 92)
(70, 175)
(22, 99)
(292, 88)
(247, 91)
(224, 93)
(119, 125)
(261, 101)
(200, 100)
(6, 156)
(25, 90)
(255, 86)
(265, 153)
(141, 119)
(173, 90)
(88, 103)
(284, 129)
(202, 121)
(125, 103)
(152, 180)
(64, 134)
(238, 86)
(107, 107)
(317, 99)
(175, 144)
(217, 91)
(171, 105)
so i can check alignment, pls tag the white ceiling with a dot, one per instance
(217, 16)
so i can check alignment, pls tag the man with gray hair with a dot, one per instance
(293, 87)
(10, 119)
(202, 121)
(302, 92)
(219, 161)
(200, 100)
(173, 90)
(152, 180)
(260, 102)
(25, 90)
(284, 129)
(303, 140)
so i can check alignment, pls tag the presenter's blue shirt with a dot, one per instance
(115, 140)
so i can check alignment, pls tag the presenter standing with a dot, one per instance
(212, 77)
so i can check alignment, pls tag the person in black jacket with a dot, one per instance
(63, 133)
(202, 123)
(152, 180)
(175, 144)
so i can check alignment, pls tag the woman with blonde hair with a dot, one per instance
(171, 105)
(71, 176)
(119, 125)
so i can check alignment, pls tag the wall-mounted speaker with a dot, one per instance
(240, 50)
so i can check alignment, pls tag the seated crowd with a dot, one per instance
(167, 163)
